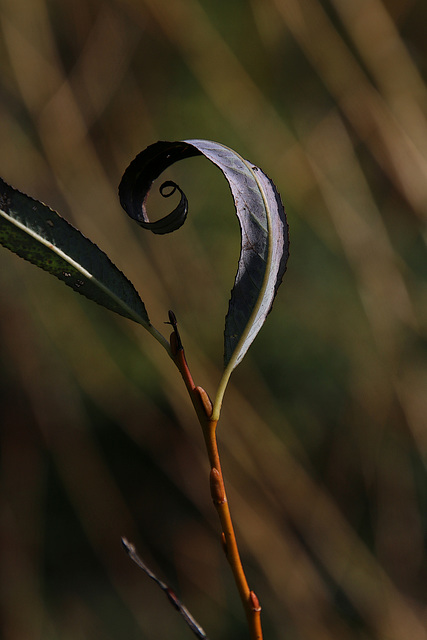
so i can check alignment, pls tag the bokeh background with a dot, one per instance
(324, 428)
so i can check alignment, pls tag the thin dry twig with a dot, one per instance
(172, 597)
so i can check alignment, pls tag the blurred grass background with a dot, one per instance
(324, 432)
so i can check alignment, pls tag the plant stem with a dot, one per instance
(219, 496)
(203, 408)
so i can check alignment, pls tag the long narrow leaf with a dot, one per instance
(264, 248)
(37, 233)
(264, 233)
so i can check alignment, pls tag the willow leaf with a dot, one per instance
(37, 233)
(264, 248)
(264, 232)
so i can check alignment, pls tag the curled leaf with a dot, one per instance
(38, 234)
(264, 232)
(140, 175)
(264, 248)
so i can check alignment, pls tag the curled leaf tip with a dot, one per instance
(139, 177)
(264, 230)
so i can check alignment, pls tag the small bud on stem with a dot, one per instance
(175, 339)
(205, 400)
(217, 487)
(255, 605)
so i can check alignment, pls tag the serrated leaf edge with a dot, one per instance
(129, 311)
(233, 360)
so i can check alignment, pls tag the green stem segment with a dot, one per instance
(208, 422)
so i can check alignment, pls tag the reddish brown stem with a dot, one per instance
(203, 408)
